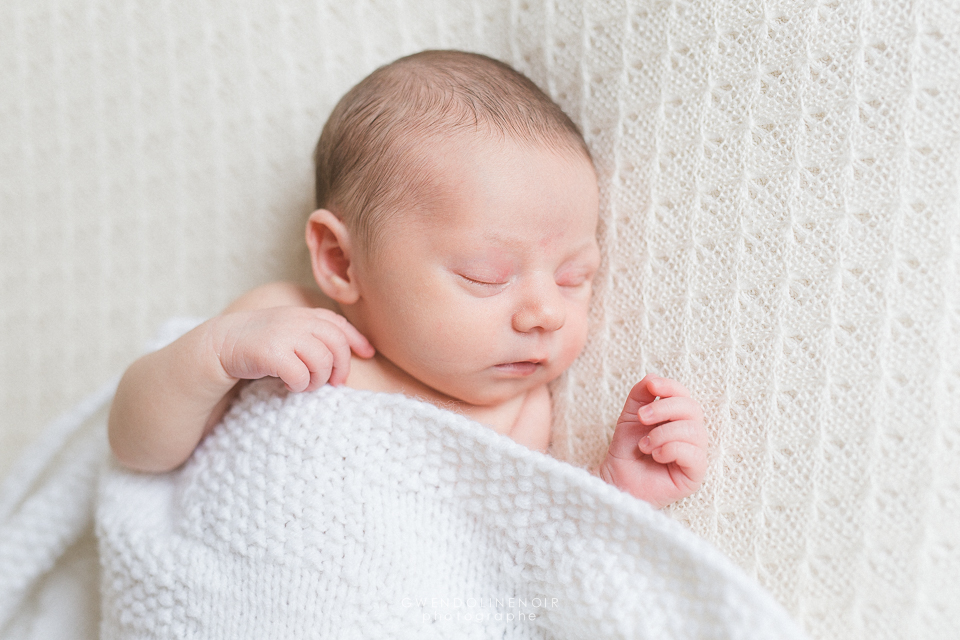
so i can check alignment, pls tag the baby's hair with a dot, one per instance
(374, 149)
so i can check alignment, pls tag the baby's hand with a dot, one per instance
(659, 448)
(304, 347)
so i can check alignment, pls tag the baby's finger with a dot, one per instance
(639, 395)
(687, 431)
(691, 460)
(320, 362)
(334, 342)
(666, 388)
(670, 409)
(293, 372)
(356, 340)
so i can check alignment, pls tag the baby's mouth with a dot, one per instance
(519, 369)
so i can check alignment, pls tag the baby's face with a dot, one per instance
(484, 295)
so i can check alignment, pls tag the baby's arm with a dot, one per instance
(168, 400)
(659, 448)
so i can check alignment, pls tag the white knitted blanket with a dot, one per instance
(346, 513)
(780, 187)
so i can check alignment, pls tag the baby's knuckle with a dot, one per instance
(339, 338)
(330, 333)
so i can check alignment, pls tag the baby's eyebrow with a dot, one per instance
(503, 240)
(515, 241)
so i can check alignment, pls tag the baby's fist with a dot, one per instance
(659, 448)
(304, 347)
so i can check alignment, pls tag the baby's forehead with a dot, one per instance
(437, 180)
(451, 181)
(441, 158)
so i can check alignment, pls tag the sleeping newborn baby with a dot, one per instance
(456, 232)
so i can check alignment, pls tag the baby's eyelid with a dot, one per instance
(488, 283)
(577, 280)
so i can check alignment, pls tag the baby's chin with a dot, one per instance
(506, 384)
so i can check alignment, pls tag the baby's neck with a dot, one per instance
(379, 374)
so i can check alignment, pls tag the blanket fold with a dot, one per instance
(46, 505)
(345, 513)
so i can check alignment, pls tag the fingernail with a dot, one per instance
(646, 413)
(645, 443)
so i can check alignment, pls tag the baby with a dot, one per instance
(456, 232)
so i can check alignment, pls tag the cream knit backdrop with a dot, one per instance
(781, 225)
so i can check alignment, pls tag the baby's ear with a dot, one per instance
(330, 255)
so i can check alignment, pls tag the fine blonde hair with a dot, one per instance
(372, 154)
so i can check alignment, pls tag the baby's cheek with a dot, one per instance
(574, 343)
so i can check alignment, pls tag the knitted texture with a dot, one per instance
(49, 578)
(779, 222)
(49, 590)
(782, 233)
(345, 513)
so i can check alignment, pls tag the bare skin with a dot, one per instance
(474, 307)
(168, 400)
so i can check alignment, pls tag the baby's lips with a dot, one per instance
(520, 367)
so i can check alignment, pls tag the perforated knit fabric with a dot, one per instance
(344, 513)
(782, 231)
(780, 225)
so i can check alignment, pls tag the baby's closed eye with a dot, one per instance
(485, 280)
(573, 280)
(575, 276)
(483, 285)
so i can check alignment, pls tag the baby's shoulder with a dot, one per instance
(378, 374)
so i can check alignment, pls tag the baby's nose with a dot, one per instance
(541, 309)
